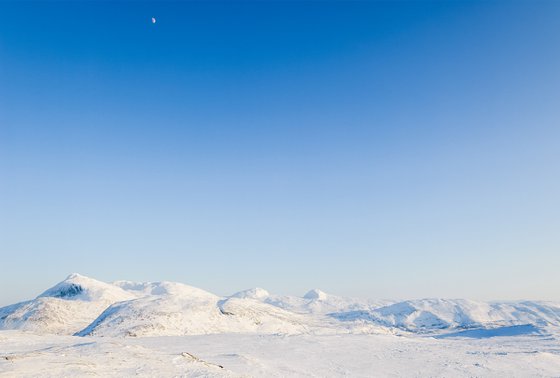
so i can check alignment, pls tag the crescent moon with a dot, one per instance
(153, 20)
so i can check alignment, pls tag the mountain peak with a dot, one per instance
(316, 294)
(255, 293)
(79, 287)
(74, 276)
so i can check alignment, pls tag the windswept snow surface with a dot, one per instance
(82, 326)
(253, 355)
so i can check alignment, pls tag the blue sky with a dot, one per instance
(374, 149)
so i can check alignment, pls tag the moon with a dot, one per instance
(153, 20)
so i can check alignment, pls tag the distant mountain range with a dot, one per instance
(84, 306)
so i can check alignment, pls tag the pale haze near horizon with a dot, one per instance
(378, 150)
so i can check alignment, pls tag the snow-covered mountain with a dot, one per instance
(163, 308)
(84, 306)
(433, 314)
(176, 309)
(314, 302)
(65, 308)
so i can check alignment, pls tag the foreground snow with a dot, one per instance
(82, 326)
(234, 355)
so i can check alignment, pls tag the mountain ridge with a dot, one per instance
(83, 306)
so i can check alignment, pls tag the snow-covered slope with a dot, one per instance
(168, 308)
(250, 315)
(165, 309)
(65, 308)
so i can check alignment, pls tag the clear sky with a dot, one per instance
(399, 149)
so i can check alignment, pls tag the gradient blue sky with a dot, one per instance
(398, 149)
